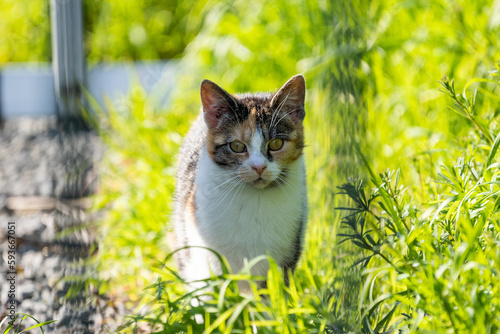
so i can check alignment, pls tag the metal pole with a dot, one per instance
(67, 57)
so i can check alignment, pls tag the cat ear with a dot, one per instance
(216, 103)
(290, 98)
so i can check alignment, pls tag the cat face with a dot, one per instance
(255, 137)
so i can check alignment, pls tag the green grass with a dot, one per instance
(12, 327)
(435, 263)
(372, 72)
(373, 104)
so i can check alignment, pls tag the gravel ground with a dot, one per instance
(46, 176)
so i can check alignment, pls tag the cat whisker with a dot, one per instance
(276, 113)
(283, 102)
(229, 180)
(217, 179)
(283, 185)
(285, 182)
(286, 114)
(279, 183)
(242, 184)
(226, 190)
(217, 176)
(238, 189)
(273, 117)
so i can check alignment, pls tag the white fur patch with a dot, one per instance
(242, 222)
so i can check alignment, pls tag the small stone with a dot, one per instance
(85, 317)
(63, 316)
(56, 305)
(46, 296)
(27, 290)
(31, 261)
(27, 306)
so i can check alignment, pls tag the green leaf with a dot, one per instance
(361, 244)
(442, 206)
(382, 324)
(39, 325)
(493, 151)
(475, 80)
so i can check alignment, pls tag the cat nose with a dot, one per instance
(259, 169)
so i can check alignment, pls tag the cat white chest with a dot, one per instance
(242, 222)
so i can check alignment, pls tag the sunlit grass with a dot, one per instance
(371, 69)
(14, 325)
(434, 264)
(371, 73)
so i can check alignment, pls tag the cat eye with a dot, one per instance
(237, 146)
(275, 144)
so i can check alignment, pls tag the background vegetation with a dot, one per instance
(25, 31)
(372, 70)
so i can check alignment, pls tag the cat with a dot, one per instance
(241, 186)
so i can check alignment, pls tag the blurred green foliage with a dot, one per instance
(142, 29)
(113, 29)
(138, 183)
(25, 31)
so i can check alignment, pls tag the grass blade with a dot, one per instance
(493, 151)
